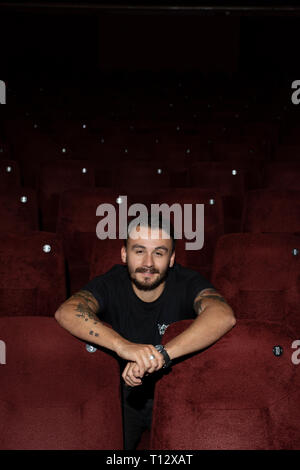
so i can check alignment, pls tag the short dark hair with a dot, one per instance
(156, 221)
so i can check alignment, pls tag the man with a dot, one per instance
(140, 300)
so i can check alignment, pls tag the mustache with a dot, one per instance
(147, 270)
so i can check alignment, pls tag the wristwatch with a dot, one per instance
(167, 359)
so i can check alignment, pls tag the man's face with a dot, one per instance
(148, 259)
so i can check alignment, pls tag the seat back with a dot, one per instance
(18, 210)
(77, 224)
(56, 177)
(32, 273)
(9, 175)
(259, 276)
(54, 393)
(271, 211)
(236, 394)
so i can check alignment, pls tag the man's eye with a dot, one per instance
(158, 253)
(139, 251)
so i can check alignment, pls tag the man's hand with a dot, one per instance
(132, 375)
(146, 356)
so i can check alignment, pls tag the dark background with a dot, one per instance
(77, 42)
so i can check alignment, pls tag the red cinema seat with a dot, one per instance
(200, 259)
(55, 394)
(227, 180)
(282, 175)
(18, 210)
(77, 224)
(265, 134)
(32, 147)
(135, 178)
(271, 211)
(9, 175)
(241, 393)
(58, 176)
(242, 156)
(32, 273)
(239, 151)
(258, 274)
(105, 254)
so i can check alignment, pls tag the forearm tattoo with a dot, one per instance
(93, 333)
(214, 295)
(87, 308)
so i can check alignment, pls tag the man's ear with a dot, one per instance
(172, 260)
(123, 254)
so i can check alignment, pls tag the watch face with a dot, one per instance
(159, 347)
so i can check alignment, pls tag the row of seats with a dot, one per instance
(62, 174)
(260, 211)
(258, 274)
(77, 219)
(230, 180)
(247, 391)
(240, 393)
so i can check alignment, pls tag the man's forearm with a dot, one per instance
(207, 328)
(80, 321)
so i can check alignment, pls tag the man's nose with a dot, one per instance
(148, 260)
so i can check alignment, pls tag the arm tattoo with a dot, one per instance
(87, 308)
(86, 313)
(87, 297)
(201, 297)
(92, 333)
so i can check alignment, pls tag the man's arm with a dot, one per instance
(215, 318)
(78, 315)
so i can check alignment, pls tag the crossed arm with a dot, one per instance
(214, 319)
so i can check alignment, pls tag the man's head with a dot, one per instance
(149, 251)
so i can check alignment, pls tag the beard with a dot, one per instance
(145, 286)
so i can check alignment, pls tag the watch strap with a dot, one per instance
(166, 356)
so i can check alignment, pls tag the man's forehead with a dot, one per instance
(151, 236)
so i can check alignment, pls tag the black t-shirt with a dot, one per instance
(145, 322)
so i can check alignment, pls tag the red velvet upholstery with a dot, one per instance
(32, 281)
(58, 176)
(106, 253)
(282, 175)
(54, 393)
(271, 211)
(259, 276)
(244, 157)
(140, 179)
(77, 222)
(200, 260)
(236, 394)
(220, 177)
(264, 132)
(18, 210)
(9, 174)
(31, 147)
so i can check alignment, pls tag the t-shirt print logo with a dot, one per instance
(162, 328)
(2, 92)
